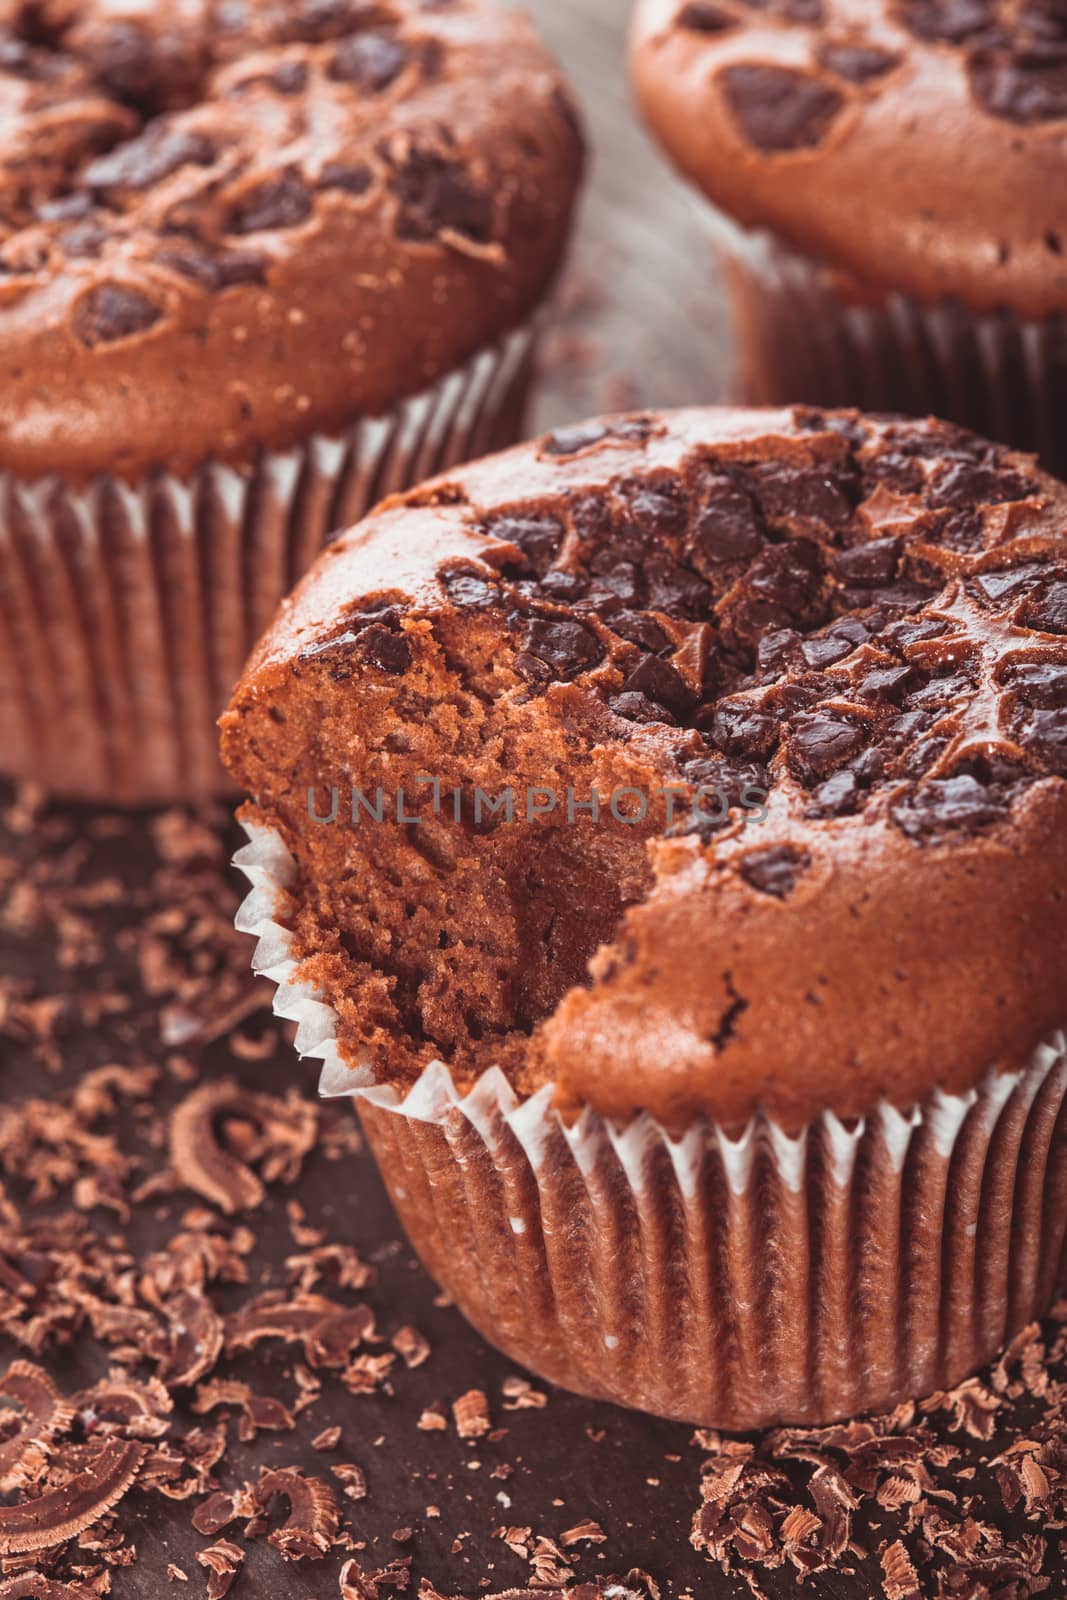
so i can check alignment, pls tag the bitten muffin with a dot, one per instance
(259, 265)
(891, 187)
(769, 949)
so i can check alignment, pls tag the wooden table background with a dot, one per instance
(643, 320)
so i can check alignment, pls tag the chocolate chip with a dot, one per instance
(950, 805)
(122, 58)
(740, 729)
(653, 508)
(282, 202)
(899, 635)
(778, 108)
(1024, 88)
(1047, 611)
(148, 159)
(18, 59)
(67, 208)
(386, 650)
(568, 648)
(538, 537)
(906, 595)
(214, 271)
(784, 586)
(111, 312)
(435, 195)
(288, 77)
(674, 589)
(964, 483)
(884, 685)
(640, 629)
(371, 61)
(1045, 735)
(343, 175)
(727, 525)
(839, 641)
(838, 796)
(817, 742)
(659, 681)
(85, 241)
(636, 707)
(467, 590)
(317, 20)
(566, 586)
(776, 870)
(1039, 684)
(572, 441)
(701, 17)
(776, 650)
(856, 63)
(873, 563)
(788, 494)
(948, 21)
(1004, 585)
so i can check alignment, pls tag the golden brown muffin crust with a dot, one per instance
(913, 145)
(226, 224)
(851, 631)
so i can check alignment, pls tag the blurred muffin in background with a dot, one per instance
(260, 264)
(891, 191)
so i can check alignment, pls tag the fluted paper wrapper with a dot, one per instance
(127, 614)
(799, 340)
(730, 1280)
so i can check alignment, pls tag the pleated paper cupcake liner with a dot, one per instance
(127, 614)
(735, 1280)
(800, 341)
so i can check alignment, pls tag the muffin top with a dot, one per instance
(225, 224)
(838, 644)
(913, 145)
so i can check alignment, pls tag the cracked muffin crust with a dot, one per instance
(819, 661)
(227, 224)
(911, 145)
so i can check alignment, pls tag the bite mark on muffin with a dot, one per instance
(740, 633)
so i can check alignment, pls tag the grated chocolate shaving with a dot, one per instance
(44, 1414)
(60, 1514)
(314, 1518)
(277, 1134)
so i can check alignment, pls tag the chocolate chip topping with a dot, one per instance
(780, 109)
(751, 602)
(776, 870)
(283, 202)
(114, 311)
(699, 16)
(370, 60)
(1016, 55)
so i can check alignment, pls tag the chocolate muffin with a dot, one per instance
(890, 186)
(260, 264)
(663, 829)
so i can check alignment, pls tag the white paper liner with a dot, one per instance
(127, 614)
(733, 1281)
(799, 341)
